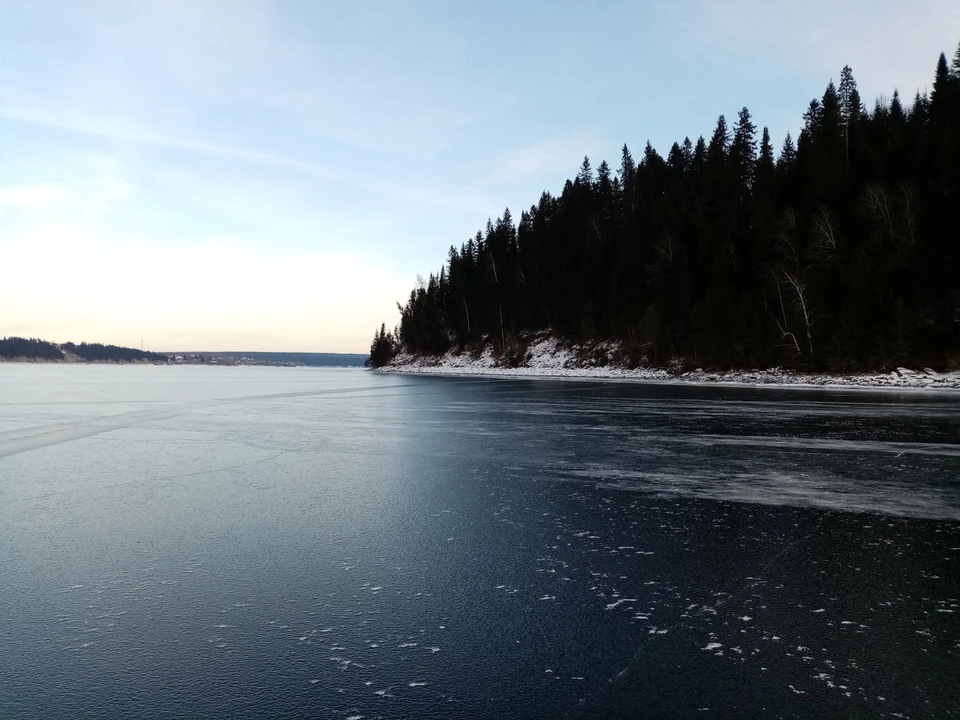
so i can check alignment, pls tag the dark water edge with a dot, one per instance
(473, 549)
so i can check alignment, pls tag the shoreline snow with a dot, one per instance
(548, 358)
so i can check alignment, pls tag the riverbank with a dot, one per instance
(74, 360)
(550, 358)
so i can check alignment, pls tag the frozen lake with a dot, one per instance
(311, 543)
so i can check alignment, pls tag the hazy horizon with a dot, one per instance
(270, 175)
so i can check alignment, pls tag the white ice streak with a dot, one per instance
(767, 486)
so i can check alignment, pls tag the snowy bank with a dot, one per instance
(548, 357)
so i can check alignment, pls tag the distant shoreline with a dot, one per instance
(74, 361)
(45, 361)
(34, 350)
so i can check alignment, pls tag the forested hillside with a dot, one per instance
(94, 352)
(18, 347)
(839, 250)
(33, 349)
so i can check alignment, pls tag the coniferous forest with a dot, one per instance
(837, 250)
(34, 349)
(97, 352)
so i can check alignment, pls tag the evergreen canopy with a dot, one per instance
(841, 253)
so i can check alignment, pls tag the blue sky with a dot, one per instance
(273, 174)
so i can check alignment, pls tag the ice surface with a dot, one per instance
(601, 523)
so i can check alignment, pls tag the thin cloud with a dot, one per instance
(816, 38)
(129, 132)
(556, 155)
(31, 196)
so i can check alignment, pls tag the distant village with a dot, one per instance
(202, 359)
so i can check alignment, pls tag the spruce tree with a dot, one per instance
(850, 104)
(719, 142)
(788, 153)
(627, 174)
(942, 87)
(585, 176)
(687, 150)
(897, 114)
(766, 167)
(699, 156)
(381, 349)
(812, 118)
(743, 148)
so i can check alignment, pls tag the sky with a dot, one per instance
(274, 174)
